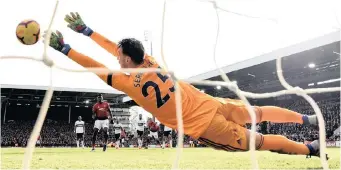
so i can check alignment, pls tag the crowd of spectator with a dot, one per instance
(61, 133)
(331, 113)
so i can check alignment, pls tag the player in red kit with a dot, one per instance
(101, 114)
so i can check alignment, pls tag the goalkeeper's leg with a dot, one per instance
(236, 111)
(227, 135)
(281, 144)
(281, 115)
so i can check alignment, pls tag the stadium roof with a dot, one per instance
(314, 68)
(189, 36)
(315, 43)
(35, 96)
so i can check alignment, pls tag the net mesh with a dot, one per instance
(227, 83)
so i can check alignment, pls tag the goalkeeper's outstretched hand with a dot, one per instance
(57, 42)
(77, 24)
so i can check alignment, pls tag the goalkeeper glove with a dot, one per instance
(57, 42)
(76, 24)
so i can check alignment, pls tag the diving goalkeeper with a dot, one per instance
(215, 122)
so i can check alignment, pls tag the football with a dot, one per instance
(28, 32)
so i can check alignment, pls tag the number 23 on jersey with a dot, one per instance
(160, 100)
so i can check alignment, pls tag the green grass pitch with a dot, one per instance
(130, 158)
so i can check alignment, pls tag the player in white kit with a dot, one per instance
(140, 130)
(117, 130)
(80, 131)
(167, 136)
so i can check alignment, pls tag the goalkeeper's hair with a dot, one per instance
(132, 48)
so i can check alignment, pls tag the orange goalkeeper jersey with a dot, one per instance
(155, 92)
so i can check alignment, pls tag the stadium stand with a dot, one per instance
(59, 133)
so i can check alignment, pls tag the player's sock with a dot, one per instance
(171, 143)
(118, 144)
(310, 120)
(94, 139)
(280, 144)
(106, 136)
(77, 143)
(82, 144)
(139, 142)
(279, 115)
(163, 144)
(105, 141)
(147, 143)
(314, 148)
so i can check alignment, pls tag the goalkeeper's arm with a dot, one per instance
(116, 80)
(105, 43)
(88, 62)
(57, 42)
(77, 24)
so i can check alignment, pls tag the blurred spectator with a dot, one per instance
(57, 134)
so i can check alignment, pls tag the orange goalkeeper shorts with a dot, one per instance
(226, 130)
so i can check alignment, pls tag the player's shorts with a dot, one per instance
(117, 136)
(166, 133)
(226, 131)
(79, 135)
(153, 134)
(139, 133)
(99, 124)
(235, 110)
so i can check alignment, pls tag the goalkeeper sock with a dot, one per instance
(310, 120)
(279, 115)
(77, 143)
(282, 145)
